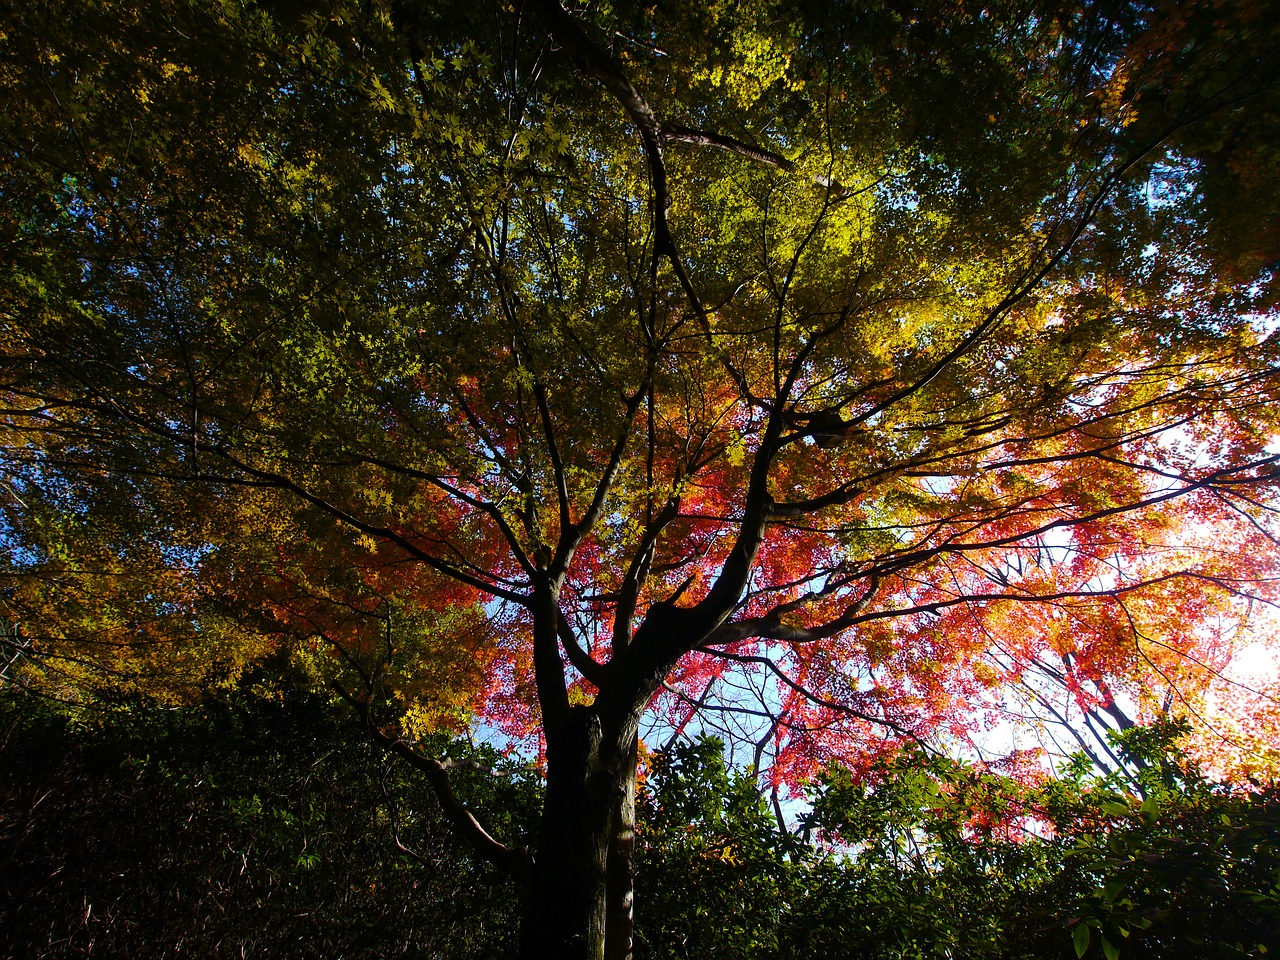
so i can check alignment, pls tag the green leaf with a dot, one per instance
(1080, 938)
(1111, 889)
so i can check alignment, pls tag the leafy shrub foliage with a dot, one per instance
(253, 829)
(932, 858)
(266, 827)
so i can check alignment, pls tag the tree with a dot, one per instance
(836, 371)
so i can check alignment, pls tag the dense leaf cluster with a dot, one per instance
(942, 860)
(251, 829)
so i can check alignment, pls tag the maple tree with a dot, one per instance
(837, 375)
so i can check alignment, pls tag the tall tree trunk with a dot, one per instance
(620, 871)
(567, 902)
(582, 866)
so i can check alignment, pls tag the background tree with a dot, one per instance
(835, 371)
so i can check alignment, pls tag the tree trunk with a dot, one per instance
(584, 845)
(620, 876)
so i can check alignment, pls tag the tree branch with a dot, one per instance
(582, 661)
(809, 694)
(386, 533)
(676, 133)
(515, 861)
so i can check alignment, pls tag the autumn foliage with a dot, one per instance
(829, 378)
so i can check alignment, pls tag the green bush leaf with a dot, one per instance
(1080, 939)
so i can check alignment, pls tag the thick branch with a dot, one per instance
(637, 572)
(770, 625)
(599, 65)
(489, 509)
(758, 509)
(557, 466)
(1109, 593)
(571, 534)
(1029, 281)
(582, 661)
(515, 861)
(1207, 482)
(679, 134)
(548, 667)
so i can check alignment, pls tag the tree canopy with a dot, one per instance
(842, 375)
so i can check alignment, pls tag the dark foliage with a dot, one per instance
(251, 829)
(257, 827)
(930, 858)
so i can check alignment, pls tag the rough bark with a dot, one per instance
(620, 876)
(579, 862)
